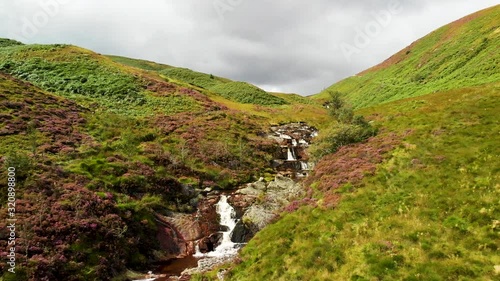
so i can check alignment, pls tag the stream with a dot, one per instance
(290, 162)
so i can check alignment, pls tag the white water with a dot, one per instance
(228, 219)
(304, 166)
(198, 253)
(290, 156)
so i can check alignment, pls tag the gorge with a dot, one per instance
(225, 220)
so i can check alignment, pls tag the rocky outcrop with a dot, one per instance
(255, 205)
(259, 203)
(180, 233)
(290, 157)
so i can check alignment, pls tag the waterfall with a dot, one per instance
(304, 166)
(290, 156)
(198, 253)
(228, 219)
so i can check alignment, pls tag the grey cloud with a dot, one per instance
(284, 45)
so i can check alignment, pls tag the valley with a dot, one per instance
(126, 166)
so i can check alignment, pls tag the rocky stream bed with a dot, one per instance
(226, 220)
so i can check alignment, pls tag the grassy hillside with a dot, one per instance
(417, 202)
(94, 79)
(240, 92)
(461, 54)
(8, 42)
(102, 145)
(142, 64)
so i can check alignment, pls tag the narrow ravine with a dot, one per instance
(255, 203)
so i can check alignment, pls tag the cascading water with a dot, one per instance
(290, 156)
(304, 166)
(228, 220)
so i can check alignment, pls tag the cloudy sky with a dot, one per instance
(279, 45)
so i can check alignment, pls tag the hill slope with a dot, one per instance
(461, 54)
(419, 201)
(103, 147)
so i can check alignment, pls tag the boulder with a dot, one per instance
(241, 233)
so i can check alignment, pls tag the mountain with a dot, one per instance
(418, 201)
(461, 54)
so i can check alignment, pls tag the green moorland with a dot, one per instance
(418, 201)
(142, 64)
(240, 92)
(103, 144)
(101, 147)
(461, 54)
(241, 96)
(428, 210)
(91, 79)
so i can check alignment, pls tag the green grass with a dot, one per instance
(243, 92)
(142, 64)
(194, 78)
(429, 212)
(462, 54)
(89, 78)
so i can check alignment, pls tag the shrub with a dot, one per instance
(349, 128)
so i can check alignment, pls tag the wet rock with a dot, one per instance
(170, 245)
(292, 141)
(250, 191)
(241, 233)
(186, 225)
(208, 244)
(241, 202)
(178, 233)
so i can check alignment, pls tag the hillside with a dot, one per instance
(104, 147)
(240, 92)
(418, 201)
(461, 54)
(120, 166)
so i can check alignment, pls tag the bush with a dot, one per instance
(8, 42)
(349, 128)
(341, 135)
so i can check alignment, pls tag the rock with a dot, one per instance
(259, 185)
(187, 226)
(250, 190)
(281, 182)
(258, 217)
(241, 233)
(208, 244)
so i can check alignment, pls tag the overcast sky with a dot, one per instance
(280, 45)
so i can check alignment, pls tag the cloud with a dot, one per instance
(281, 45)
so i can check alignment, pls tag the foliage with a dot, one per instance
(347, 129)
(142, 64)
(245, 93)
(89, 78)
(8, 42)
(199, 79)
